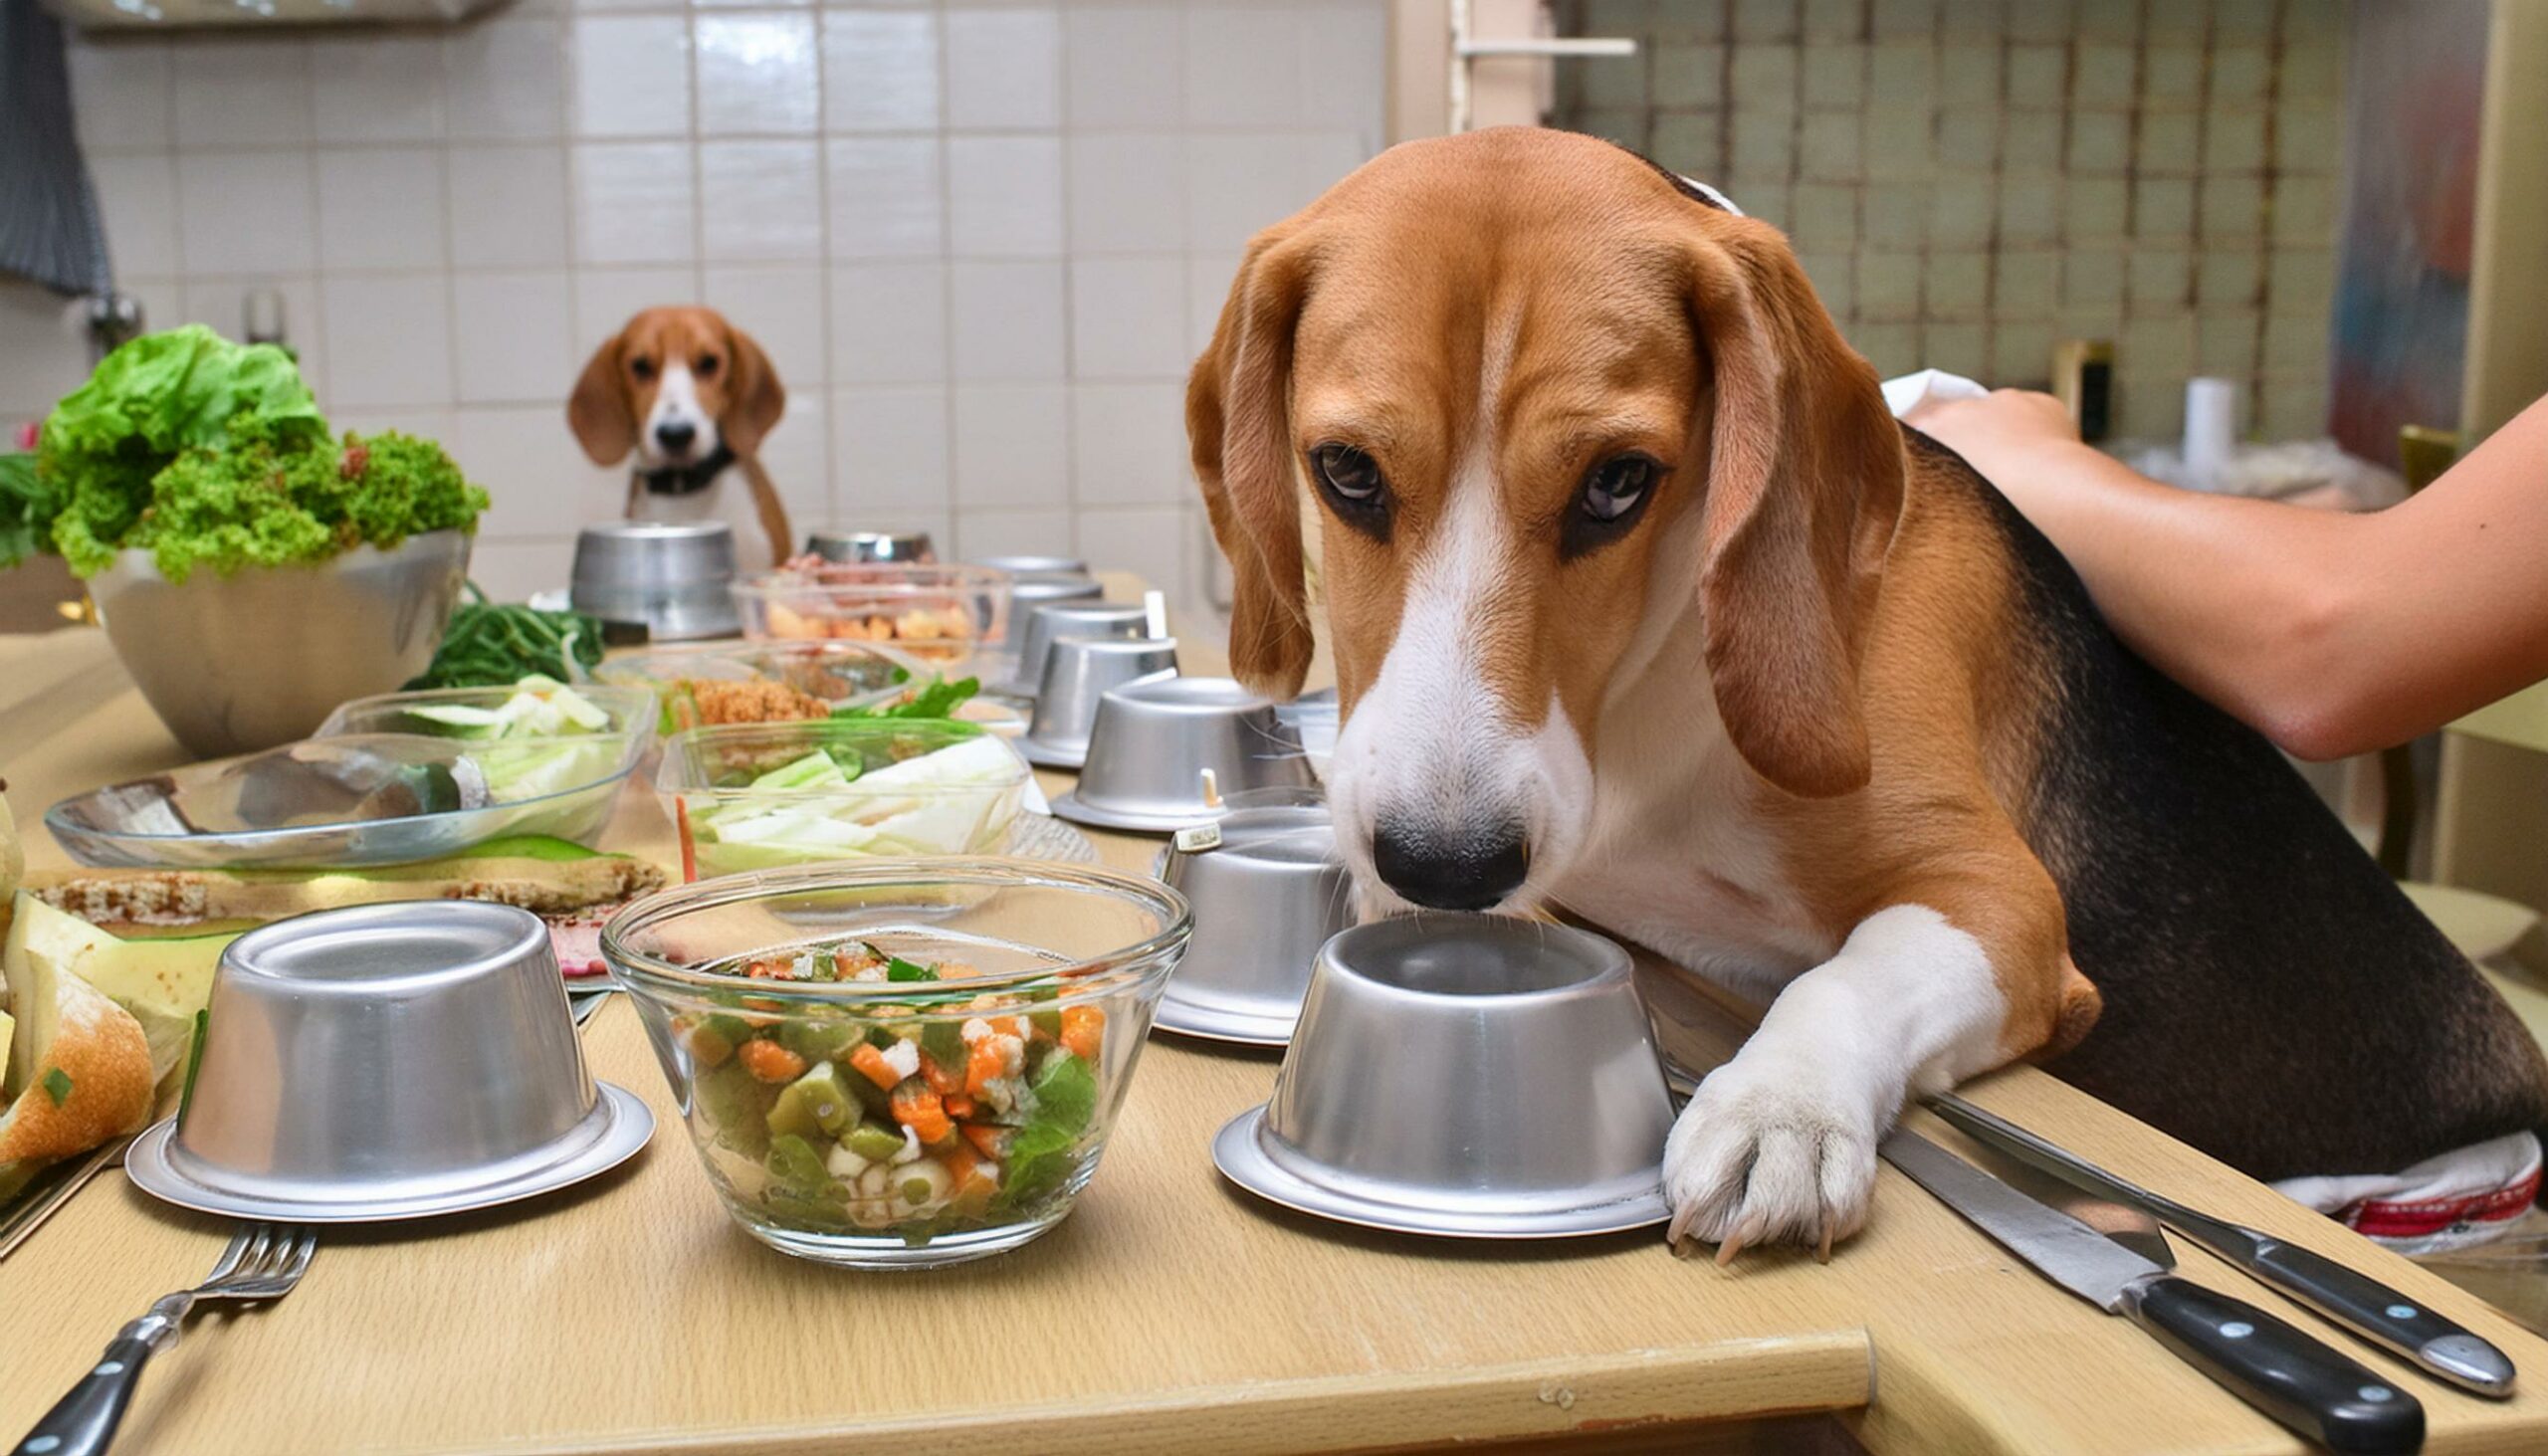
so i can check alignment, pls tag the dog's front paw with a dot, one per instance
(1770, 1150)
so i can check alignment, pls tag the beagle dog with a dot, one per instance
(692, 396)
(1643, 605)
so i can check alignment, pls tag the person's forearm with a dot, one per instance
(2246, 602)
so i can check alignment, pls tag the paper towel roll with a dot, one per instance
(2211, 429)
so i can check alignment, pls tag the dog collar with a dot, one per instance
(686, 480)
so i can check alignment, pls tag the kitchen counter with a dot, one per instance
(1169, 1314)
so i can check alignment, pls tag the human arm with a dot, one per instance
(2331, 633)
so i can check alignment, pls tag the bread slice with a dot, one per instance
(82, 1065)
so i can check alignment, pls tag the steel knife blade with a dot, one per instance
(2355, 1300)
(2271, 1366)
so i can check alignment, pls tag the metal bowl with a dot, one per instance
(1052, 621)
(233, 664)
(871, 546)
(1266, 897)
(1464, 1075)
(1033, 590)
(1078, 675)
(349, 802)
(671, 576)
(1036, 566)
(387, 1061)
(1154, 744)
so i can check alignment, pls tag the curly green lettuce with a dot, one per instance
(209, 453)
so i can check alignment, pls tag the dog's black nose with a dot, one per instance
(676, 435)
(1450, 872)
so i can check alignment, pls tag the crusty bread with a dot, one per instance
(99, 1049)
(201, 897)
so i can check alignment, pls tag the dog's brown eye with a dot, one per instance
(704, 366)
(1614, 487)
(1347, 474)
(643, 368)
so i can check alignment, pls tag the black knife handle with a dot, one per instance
(83, 1423)
(2402, 1323)
(2277, 1369)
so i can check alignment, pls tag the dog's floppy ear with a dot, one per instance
(755, 398)
(599, 409)
(1238, 421)
(1805, 484)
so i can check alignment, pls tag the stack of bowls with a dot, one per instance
(1166, 753)
(672, 578)
(384, 1062)
(1061, 580)
(1266, 896)
(1050, 622)
(1471, 1076)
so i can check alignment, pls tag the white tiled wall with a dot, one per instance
(981, 241)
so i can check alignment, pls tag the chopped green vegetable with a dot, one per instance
(57, 1085)
(940, 699)
(489, 646)
(1042, 1153)
(896, 968)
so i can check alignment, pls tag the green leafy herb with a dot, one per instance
(1041, 1155)
(940, 699)
(57, 1085)
(896, 968)
(490, 646)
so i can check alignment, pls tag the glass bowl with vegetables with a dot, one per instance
(766, 682)
(757, 796)
(587, 723)
(899, 1064)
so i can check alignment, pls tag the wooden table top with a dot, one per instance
(1169, 1314)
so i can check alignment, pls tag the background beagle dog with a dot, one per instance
(691, 395)
(1641, 603)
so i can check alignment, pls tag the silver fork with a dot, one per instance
(264, 1262)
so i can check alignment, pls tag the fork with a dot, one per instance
(264, 1262)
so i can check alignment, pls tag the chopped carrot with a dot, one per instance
(961, 1163)
(767, 1061)
(918, 1108)
(989, 1142)
(941, 1080)
(871, 1064)
(1083, 1031)
(985, 1064)
(959, 1105)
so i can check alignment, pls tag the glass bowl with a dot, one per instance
(949, 1096)
(755, 796)
(837, 674)
(945, 617)
(457, 713)
(347, 801)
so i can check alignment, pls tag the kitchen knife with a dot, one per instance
(2356, 1300)
(2269, 1365)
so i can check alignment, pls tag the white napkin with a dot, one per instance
(1928, 386)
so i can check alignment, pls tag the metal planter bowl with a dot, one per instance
(234, 663)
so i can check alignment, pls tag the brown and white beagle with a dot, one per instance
(691, 396)
(1643, 605)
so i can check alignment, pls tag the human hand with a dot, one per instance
(2002, 418)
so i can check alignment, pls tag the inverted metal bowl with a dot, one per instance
(233, 664)
(1036, 566)
(1464, 1075)
(1154, 741)
(871, 546)
(1052, 621)
(1265, 899)
(350, 801)
(1077, 675)
(388, 1061)
(1031, 589)
(672, 577)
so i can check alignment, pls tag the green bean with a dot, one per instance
(490, 645)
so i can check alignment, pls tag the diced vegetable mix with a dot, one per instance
(826, 803)
(954, 1111)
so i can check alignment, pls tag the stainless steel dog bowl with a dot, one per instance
(871, 546)
(1051, 621)
(1036, 566)
(233, 664)
(1464, 1075)
(387, 1061)
(672, 577)
(1077, 675)
(1153, 743)
(1265, 899)
(1031, 589)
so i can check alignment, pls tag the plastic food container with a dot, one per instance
(942, 615)
(906, 1064)
(837, 674)
(758, 796)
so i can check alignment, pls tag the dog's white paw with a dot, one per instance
(1771, 1149)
